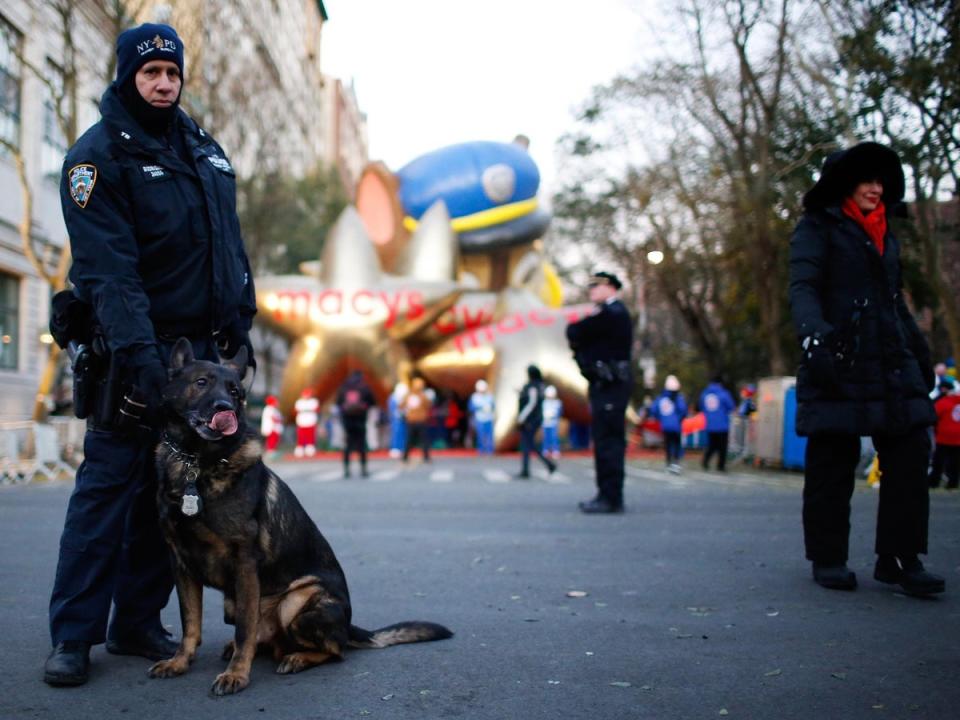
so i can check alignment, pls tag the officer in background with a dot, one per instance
(149, 201)
(601, 345)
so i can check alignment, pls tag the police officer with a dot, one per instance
(601, 344)
(149, 201)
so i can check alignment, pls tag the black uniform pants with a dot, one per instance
(904, 508)
(111, 549)
(356, 441)
(717, 445)
(608, 403)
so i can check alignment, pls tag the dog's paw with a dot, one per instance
(228, 651)
(295, 662)
(177, 665)
(228, 683)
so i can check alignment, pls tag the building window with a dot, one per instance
(10, 44)
(54, 143)
(9, 321)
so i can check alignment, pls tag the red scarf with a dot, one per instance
(874, 224)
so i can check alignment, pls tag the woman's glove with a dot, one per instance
(818, 359)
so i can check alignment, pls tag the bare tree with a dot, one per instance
(62, 86)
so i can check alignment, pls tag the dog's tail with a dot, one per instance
(404, 632)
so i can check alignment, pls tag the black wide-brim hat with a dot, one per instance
(845, 169)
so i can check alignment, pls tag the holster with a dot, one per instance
(108, 394)
(604, 372)
(120, 406)
(82, 362)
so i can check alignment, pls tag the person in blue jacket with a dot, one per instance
(149, 202)
(716, 404)
(670, 409)
(398, 423)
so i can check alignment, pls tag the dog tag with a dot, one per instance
(190, 504)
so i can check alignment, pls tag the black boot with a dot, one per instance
(600, 506)
(68, 664)
(153, 643)
(908, 573)
(834, 577)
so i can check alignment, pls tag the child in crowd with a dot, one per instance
(483, 410)
(552, 411)
(670, 409)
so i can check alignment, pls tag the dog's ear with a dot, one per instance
(181, 355)
(238, 363)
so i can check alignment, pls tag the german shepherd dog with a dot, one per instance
(235, 526)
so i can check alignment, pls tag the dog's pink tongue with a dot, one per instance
(224, 422)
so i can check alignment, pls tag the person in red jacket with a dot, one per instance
(946, 455)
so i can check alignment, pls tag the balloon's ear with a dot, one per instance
(182, 354)
(238, 363)
(378, 203)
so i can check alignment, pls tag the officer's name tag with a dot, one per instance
(153, 172)
(190, 505)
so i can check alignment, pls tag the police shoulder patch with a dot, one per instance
(81, 179)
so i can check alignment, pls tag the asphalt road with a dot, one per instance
(698, 604)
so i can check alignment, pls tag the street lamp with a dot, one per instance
(655, 257)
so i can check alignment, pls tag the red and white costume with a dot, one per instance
(307, 407)
(271, 424)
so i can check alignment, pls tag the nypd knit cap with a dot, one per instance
(150, 41)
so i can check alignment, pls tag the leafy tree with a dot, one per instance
(903, 58)
(286, 219)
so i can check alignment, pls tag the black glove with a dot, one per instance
(139, 408)
(152, 378)
(818, 358)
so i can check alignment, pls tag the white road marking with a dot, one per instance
(325, 476)
(441, 476)
(496, 476)
(384, 475)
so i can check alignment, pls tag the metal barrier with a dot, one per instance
(743, 439)
(28, 449)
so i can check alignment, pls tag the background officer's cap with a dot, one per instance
(605, 278)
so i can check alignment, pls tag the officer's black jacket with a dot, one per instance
(844, 291)
(157, 246)
(606, 335)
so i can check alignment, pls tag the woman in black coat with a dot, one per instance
(865, 370)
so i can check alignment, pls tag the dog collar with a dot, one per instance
(190, 502)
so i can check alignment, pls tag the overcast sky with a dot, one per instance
(430, 73)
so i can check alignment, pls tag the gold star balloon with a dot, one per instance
(351, 317)
(527, 332)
